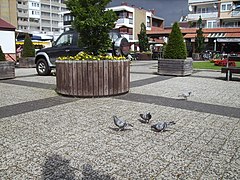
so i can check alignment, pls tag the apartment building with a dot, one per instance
(40, 16)
(214, 13)
(130, 19)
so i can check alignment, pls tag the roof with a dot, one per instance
(234, 32)
(4, 25)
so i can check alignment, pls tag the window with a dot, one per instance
(65, 40)
(211, 24)
(148, 21)
(202, 10)
(226, 6)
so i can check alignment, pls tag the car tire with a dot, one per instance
(43, 68)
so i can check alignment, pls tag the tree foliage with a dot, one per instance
(199, 39)
(143, 39)
(93, 23)
(2, 55)
(176, 47)
(28, 47)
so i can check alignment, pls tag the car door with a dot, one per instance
(64, 46)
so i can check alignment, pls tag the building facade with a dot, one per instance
(130, 19)
(34, 16)
(214, 13)
(8, 9)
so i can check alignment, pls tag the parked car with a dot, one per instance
(66, 45)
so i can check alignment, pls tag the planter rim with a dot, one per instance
(84, 61)
(175, 59)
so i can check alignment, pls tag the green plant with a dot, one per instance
(175, 48)
(143, 39)
(93, 23)
(84, 56)
(28, 47)
(2, 55)
(199, 39)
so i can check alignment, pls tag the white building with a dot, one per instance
(215, 13)
(40, 16)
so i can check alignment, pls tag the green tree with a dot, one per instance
(2, 55)
(93, 23)
(176, 47)
(28, 47)
(143, 39)
(199, 39)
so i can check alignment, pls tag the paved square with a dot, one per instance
(47, 136)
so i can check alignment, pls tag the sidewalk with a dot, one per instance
(47, 136)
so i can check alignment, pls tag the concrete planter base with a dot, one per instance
(175, 67)
(7, 70)
(93, 78)
(27, 62)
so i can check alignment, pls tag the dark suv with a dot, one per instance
(66, 45)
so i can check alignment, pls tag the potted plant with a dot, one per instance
(199, 42)
(7, 68)
(28, 53)
(92, 73)
(144, 54)
(175, 54)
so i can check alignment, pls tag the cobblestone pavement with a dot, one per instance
(47, 136)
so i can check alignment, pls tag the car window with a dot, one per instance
(65, 40)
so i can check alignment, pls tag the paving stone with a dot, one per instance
(51, 136)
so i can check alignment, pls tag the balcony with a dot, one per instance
(201, 1)
(21, 14)
(124, 22)
(21, 6)
(23, 23)
(203, 16)
(235, 14)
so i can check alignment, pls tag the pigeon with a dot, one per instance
(145, 117)
(185, 95)
(161, 126)
(120, 123)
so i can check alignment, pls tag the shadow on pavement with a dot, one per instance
(56, 167)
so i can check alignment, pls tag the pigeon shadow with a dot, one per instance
(154, 130)
(56, 167)
(143, 121)
(117, 129)
(90, 174)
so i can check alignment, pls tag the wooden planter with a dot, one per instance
(175, 67)
(27, 62)
(143, 56)
(93, 78)
(7, 69)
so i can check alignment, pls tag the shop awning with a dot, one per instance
(216, 35)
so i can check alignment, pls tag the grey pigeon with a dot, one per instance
(145, 117)
(161, 126)
(185, 95)
(120, 123)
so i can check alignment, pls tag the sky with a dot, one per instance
(169, 10)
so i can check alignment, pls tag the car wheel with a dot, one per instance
(43, 68)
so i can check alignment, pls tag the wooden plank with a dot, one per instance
(115, 78)
(84, 78)
(110, 77)
(79, 79)
(75, 79)
(69, 80)
(105, 79)
(90, 78)
(119, 64)
(100, 78)
(95, 78)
